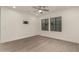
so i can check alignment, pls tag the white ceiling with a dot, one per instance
(30, 9)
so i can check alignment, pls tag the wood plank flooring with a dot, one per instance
(39, 44)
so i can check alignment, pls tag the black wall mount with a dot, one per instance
(25, 22)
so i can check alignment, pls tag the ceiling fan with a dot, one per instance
(41, 9)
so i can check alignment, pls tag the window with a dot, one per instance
(56, 24)
(45, 24)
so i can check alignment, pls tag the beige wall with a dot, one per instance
(12, 27)
(0, 23)
(70, 25)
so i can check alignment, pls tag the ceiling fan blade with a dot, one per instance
(37, 7)
(45, 9)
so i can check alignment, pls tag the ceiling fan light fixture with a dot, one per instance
(40, 11)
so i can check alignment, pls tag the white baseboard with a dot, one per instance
(39, 35)
(61, 39)
(4, 41)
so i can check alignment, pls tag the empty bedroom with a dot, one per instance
(39, 29)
